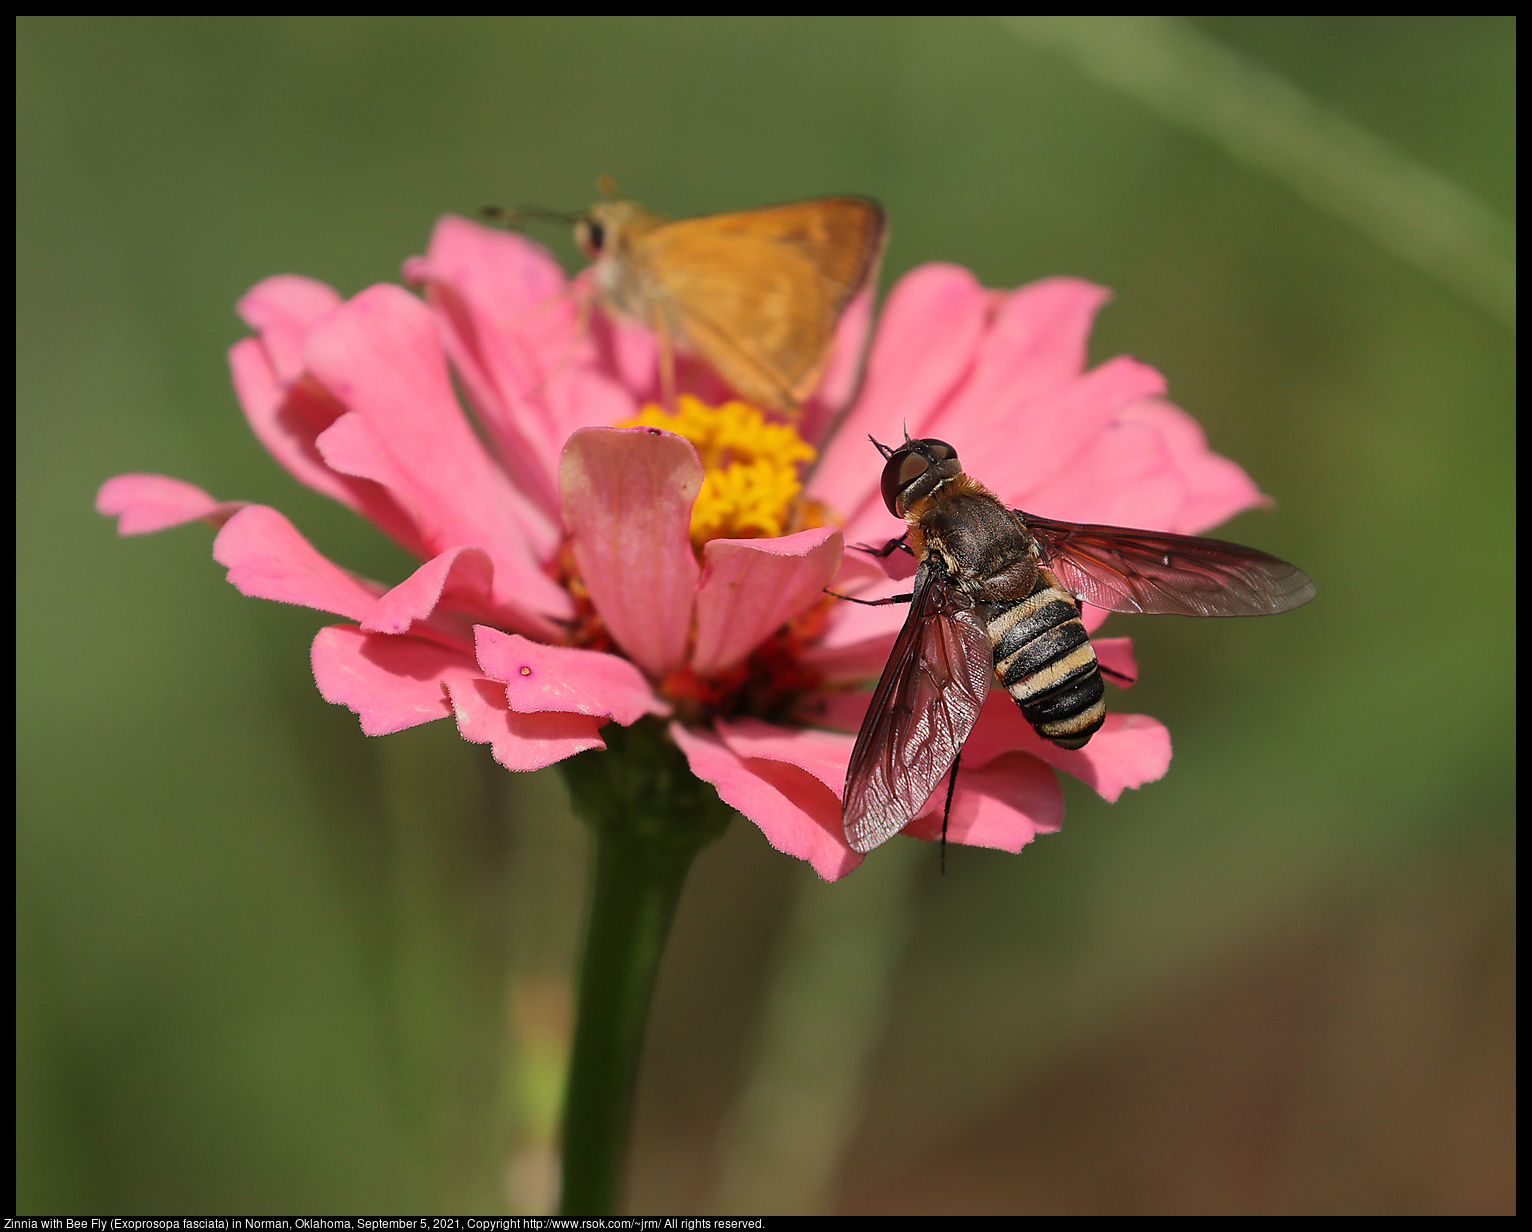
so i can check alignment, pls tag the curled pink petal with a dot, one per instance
(459, 577)
(442, 592)
(389, 682)
(268, 559)
(518, 741)
(541, 678)
(1003, 804)
(146, 503)
(281, 309)
(751, 587)
(796, 812)
(628, 494)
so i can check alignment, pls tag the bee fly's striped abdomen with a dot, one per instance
(1044, 658)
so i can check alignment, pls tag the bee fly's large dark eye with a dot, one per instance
(939, 451)
(902, 468)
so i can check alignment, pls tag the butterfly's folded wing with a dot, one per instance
(925, 705)
(758, 293)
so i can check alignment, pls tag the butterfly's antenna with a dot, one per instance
(521, 213)
(947, 811)
(880, 447)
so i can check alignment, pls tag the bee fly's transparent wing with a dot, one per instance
(1125, 570)
(927, 701)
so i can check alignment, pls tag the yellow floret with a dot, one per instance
(750, 484)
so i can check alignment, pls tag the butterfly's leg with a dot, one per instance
(947, 810)
(667, 358)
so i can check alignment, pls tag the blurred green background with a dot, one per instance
(265, 964)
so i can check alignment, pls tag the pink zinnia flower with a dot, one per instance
(572, 576)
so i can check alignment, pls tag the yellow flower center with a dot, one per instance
(750, 482)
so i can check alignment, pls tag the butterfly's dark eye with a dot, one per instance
(590, 235)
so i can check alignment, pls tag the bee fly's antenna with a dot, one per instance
(880, 447)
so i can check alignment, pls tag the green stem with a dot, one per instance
(650, 818)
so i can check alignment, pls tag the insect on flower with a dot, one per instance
(756, 293)
(997, 594)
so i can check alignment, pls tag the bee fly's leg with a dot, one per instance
(1116, 675)
(947, 809)
(888, 549)
(872, 602)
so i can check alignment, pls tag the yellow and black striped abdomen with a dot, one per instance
(1043, 656)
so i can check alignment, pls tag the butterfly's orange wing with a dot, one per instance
(757, 293)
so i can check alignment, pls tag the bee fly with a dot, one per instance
(998, 593)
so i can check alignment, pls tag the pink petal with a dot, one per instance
(1217, 488)
(623, 348)
(1123, 477)
(517, 334)
(825, 755)
(925, 343)
(1034, 348)
(1003, 804)
(751, 587)
(839, 710)
(628, 494)
(796, 812)
(287, 418)
(379, 355)
(268, 559)
(1117, 654)
(1056, 428)
(519, 741)
(281, 310)
(843, 369)
(389, 682)
(144, 503)
(540, 678)
(459, 581)
(857, 637)
(1129, 750)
